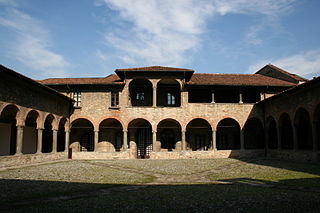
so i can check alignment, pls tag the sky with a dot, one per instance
(91, 38)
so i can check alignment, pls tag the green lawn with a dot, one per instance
(193, 185)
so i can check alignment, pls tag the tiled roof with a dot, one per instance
(237, 80)
(111, 79)
(154, 68)
(294, 76)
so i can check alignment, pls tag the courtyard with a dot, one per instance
(190, 185)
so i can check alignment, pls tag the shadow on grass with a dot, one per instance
(235, 196)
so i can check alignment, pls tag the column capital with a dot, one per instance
(40, 128)
(124, 130)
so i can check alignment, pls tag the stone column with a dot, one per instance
(183, 141)
(315, 136)
(19, 140)
(67, 140)
(96, 139)
(242, 139)
(261, 96)
(125, 140)
(154, 140)
(54, 140)
(39, 145)
(240, 97)
(212, 94)
(295, 138)
(154, 102)
(214, 140)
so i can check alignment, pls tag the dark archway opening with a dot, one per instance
(168, 93)
(82, 133)
(61, 140)
(141, 92)
(30, 139)
(317, 123)
(8, 130)
(199, 135)
(169, 133)
(286, 132)
(47, 135)
(141, 131)
(110, 135)
(272, 133)
(303, 129)
(228, 134)
(253, 134)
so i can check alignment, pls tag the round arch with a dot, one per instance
(110, 135)
(169, 134)
(272, 133)
(29, 145)
(168, 93)
(8, 129)
(47, 135)
(253, 134)
(286, 131)
(228, 134)
(61, 139)
(199, 135)
(141, 92)
(81, 135)
(303, 128)
(140, 132)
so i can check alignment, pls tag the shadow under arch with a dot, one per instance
(81, 135)
(169, 134)
(228, 134)
(199, 135)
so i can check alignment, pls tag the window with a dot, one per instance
(171, 100)
(77, 98)
(140, 98)
(114, 99)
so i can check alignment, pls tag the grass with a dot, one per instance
(245, 186)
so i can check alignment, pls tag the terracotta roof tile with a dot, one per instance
(237, 80)
(111, 79)
(154, 68)
(294, 76)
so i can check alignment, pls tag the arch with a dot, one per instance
(253, 134)
(30, 139)
(303, 128)
(140, 132)
(61, 139)
(81, 135)
(272, 133)
(199, 135)
(47, 135)
(168, 93)
(317, 124)
(8, 129)
(141, 92)
(228, 134)
(169, 134)
(110, 135)
(286, 131)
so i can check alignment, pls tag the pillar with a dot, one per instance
(54, 140)
(261, 96)
(315, 136)
(125, 140)
(212, 95)
(242, 139)
(39, 145)
(96, 139)
(240, 98)
(183, 141)
(19, 140)
(214, 140)
(154, 140)
(154, 102)
(67, 140)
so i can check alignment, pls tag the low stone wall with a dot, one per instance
(102, 155)
(16, 160)
(208, 154)
(307, 156)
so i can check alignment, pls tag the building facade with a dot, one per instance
(165, 112)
